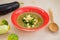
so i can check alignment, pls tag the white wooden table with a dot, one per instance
(43, 34)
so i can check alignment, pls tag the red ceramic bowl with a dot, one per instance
(40, 11)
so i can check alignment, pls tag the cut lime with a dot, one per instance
(12, 37)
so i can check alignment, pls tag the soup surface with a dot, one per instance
(30, 20)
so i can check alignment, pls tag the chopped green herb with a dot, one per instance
(31, 22)
(24, 21)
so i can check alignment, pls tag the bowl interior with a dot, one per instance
(39, 11)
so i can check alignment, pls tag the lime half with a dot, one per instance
(12, 37)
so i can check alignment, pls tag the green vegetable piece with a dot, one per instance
(12, 37)
(31, 22)
(4, 29)
(24, 21)
(3, 22)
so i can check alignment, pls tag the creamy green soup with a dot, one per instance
(30, 20)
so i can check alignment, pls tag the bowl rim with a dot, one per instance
(34, 29)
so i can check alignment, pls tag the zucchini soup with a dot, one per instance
(29, 20)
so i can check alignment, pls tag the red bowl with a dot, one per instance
(40, 11)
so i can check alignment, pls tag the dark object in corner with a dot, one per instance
(8, 7)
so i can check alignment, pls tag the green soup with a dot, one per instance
(30, 20)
